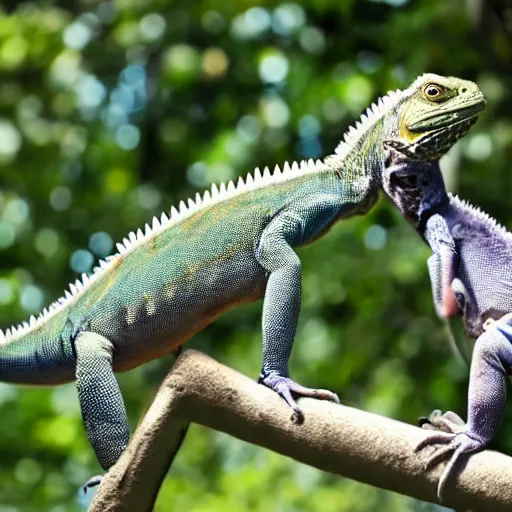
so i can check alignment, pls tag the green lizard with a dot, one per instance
(231, 245)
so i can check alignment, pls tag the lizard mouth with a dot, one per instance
(449, 119)
(434, 144)
(461, 126)
(446, 136)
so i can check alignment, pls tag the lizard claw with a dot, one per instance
(460, 443)
(448, 422)
(286, 388)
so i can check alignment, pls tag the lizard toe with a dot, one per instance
(286, 388)
(454, 419)
(459, 443)
(435, 438)
(426, 422)
(462, 444)
(320, 394)
(439, 455)
(448, 422)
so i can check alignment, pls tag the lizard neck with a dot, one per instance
(360, 164)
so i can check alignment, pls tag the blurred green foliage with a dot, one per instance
(112, 111)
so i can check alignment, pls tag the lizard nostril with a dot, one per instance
(464, 90)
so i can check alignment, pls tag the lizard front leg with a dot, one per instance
(441, 266)
(101, 402)
(449, 294)
(281, 307)
(492, 360)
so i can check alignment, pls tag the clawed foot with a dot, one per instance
(452, 436)
(286, 388)
(449, 422)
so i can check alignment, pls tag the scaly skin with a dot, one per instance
(471, 274)
(234, 247)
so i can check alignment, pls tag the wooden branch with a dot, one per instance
(345, 441)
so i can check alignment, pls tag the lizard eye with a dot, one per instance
(433, 91)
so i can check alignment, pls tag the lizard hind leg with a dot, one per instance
(101, 402)
(490, 366)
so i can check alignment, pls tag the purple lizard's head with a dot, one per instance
(414, 187)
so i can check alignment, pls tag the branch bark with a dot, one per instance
(338, 439)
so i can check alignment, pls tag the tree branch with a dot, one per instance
(341, 440)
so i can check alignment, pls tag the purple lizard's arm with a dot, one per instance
(441, 266)
(492, 362)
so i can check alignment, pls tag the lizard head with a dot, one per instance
(435, 112)
(415, 187)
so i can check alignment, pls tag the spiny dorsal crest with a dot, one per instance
(367, 120)
(215, 195)
(476, 213)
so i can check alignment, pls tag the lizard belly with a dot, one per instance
(166, 318)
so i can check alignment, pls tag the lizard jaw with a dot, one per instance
(434, 144)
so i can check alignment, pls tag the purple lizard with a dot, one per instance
(471, 274)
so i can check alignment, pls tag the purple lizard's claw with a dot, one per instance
(459, 443)
(449, 422)
(286, 388)
(437, 438)
(427, 422)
